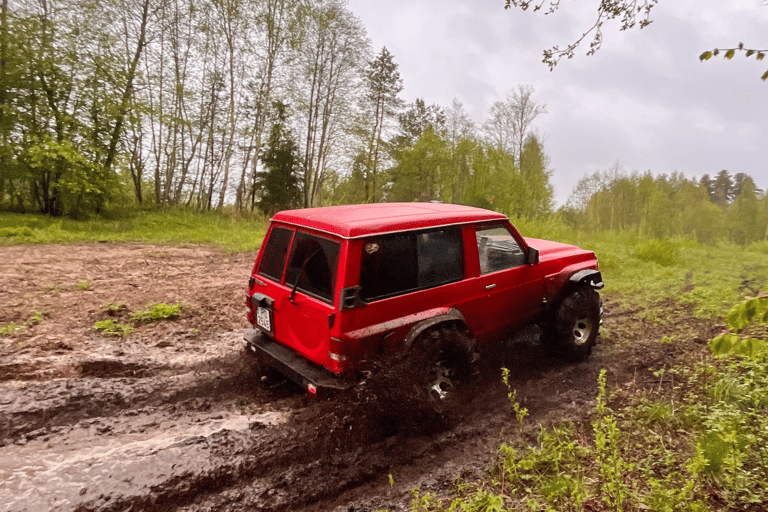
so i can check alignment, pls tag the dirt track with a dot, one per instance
(173, 418)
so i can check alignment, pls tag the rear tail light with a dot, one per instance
(339, 362)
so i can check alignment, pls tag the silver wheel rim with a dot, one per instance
(441, 385)
(582, 329)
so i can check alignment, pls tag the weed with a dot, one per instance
(83, 285)
(155, 312)
(11, 328)
(114, 308)
(111, 328)
(36, 318)
(612, 466)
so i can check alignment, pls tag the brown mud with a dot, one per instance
(173, 417)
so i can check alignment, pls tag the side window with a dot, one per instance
(313, 263)
(275, 253)
(440, 257)
(498, 250)
(404, 262)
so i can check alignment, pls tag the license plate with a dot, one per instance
(263, 319)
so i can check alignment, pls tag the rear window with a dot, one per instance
(313, 264)
(404, 262)
(275, 253)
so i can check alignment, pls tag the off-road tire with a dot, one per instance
(572, 328)
(441, 362)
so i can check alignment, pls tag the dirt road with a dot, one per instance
(172, 417)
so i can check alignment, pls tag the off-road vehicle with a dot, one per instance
(335, 289)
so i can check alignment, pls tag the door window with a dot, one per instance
(498, 250)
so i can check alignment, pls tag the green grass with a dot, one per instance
(172, 226)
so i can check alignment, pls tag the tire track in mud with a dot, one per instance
(213, 438)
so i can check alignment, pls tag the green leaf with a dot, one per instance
(705, 56)
(765, 76)
(730, 53)
(760, 56)
(750, 53)
(722, 344)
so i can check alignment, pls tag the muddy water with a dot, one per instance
(212, 437)
(61, 470)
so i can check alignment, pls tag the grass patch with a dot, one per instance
(161, 226)
(11, 328)
(694, 442)
(156, 312)
(111, 328)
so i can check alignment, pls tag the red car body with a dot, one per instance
(333, 286)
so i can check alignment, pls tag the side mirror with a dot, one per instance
(532, 258)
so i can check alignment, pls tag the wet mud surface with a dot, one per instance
(173, 417)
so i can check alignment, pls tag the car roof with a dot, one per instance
(357, 220)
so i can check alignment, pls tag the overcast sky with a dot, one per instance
(643, 100)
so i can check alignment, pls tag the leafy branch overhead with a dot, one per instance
(729, 53)
(631, 13)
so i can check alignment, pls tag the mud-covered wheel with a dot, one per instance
(441, 361)
(572, 329)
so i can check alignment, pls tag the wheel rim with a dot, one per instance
(582, 329)
(440, 386)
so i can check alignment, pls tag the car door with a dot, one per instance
(508, 288)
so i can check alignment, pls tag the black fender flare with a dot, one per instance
(589, 277)
(453, 315)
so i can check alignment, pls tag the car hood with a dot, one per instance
(550, 250)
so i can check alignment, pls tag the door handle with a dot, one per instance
(490, 286)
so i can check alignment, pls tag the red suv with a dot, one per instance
(334, 289)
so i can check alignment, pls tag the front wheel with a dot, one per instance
(572, 329)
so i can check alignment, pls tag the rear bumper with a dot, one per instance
(306, 374)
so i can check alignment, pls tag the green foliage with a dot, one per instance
(613, 468)
(662, 252)
(151, 226)
(151, 313)
(697, 443)
(111, 328)
(155, 312)
(10, 328)
(83, 284)
(278, 186)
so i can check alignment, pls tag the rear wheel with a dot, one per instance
(441, 361)
(572, 330)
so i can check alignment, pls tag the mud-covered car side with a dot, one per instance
(334, 288)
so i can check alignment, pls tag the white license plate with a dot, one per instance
(263, 319)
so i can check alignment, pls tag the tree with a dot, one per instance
(728, 53)
(381, 104)
(723, 189)
(279, 183)
(334, 50)
(510, 122)
(630, 13)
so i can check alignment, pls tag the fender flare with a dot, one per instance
(588, 276)
(453, 315)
